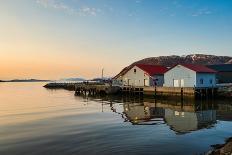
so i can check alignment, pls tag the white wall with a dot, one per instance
(177, 73)
(136, 79)
(206, 77)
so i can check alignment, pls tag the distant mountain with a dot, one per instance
(73, 79)
(190, 59)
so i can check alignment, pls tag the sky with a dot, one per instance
(53, 39)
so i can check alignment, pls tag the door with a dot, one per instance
(128, 82)
(146, 82)
(176, 83)
(182, 82)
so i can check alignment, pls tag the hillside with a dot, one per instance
(172, 60)
(192, 59)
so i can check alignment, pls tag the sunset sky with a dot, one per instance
(53, 39)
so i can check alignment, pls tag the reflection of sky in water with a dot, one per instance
(34, 120)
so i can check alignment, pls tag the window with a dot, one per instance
(134, 70)
(201, 81)
(211, 81)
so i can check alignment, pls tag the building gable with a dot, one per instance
(196, 68)
(180, 76)
(136, 77)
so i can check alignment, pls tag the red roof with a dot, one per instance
(152, 69)
(197, 68)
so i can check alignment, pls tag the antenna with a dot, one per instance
(102, 73)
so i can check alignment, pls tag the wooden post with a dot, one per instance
(212, 92)
(206, 93)
(181, 94)
(155, 91)
(201, 92)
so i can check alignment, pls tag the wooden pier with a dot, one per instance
(93, 89)
(90, 89)
(56, 85)
(170, 91)
(86, 88)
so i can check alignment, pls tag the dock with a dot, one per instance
(57, 85)
(171, 91)
(86, 88)
(97, 88)
(106, 88)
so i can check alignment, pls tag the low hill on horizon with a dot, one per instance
(24, 80)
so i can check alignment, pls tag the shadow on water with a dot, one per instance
(182, 116)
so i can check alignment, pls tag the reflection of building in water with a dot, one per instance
(182, 117)
(140, 114)
(224, 112)
(179, 120)
(183, 122)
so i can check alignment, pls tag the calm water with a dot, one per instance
(35, 120)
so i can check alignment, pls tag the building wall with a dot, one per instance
(135, 79)
(224, 72)
(224, 77)
(180, 73)
(159, 81)
(206, 77)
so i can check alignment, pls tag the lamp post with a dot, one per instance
(102, 73)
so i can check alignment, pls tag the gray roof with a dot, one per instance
(221, 67)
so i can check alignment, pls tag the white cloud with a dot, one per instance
(88, 11)
(58, 5)
(202, 12)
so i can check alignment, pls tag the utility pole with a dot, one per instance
(102, 73)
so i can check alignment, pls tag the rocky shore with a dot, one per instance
(222, 149)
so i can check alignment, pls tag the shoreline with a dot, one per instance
(222, 149)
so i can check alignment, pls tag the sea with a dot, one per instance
(39, 121)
